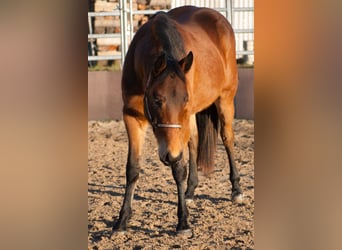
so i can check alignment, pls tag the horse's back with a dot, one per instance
(206, 23)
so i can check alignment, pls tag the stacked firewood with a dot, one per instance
(111, 24)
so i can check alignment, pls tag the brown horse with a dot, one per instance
(180, 75)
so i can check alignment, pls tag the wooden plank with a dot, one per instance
(160, 3)
(105, 6)
(107, 47)
(109, 41)
(107, 23)
(109, 53)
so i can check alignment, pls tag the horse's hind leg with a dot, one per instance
(193, 175)
(225, 106)
(136, 132)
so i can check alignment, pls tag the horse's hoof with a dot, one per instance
(237, 198)
(185, 232)
(116, 232)
(119, 230)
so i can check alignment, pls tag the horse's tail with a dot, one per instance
(207, 125)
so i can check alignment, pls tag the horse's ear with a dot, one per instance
(160, 64)
(186, 62)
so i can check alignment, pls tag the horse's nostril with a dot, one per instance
(170, 159)
(179, 157)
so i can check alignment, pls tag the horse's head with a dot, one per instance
(166, 106)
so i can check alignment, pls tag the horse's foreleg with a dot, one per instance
(179, 174)
(226, 113)
(136, 132)
(193, 175)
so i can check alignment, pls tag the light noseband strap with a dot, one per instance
(161, 125)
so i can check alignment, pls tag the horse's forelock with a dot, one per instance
(166, 35)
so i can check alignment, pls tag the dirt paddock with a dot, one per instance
(217, 223)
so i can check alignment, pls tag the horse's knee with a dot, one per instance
(132, 173)
(179, 173)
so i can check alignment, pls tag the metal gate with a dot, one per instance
(240, 13)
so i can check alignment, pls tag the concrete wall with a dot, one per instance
(104, 95)
(244, 99)
(105, 103)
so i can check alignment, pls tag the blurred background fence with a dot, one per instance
(113, 23)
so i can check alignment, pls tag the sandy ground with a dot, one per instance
(217, 223)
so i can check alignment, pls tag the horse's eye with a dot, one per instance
(157, 102)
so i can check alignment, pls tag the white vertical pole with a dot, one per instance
(125, 24)
(229, 11)
(131, 20)
(122, 33)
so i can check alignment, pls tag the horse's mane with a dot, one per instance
(167, 36)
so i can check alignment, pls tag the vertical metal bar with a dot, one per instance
(122, 32)
(229, 11)
(89, 25)
(131, 20)
(125, 24)
(92, 41)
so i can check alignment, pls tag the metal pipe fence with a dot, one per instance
(240, 13)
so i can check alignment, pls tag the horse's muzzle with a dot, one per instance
(168, 159)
